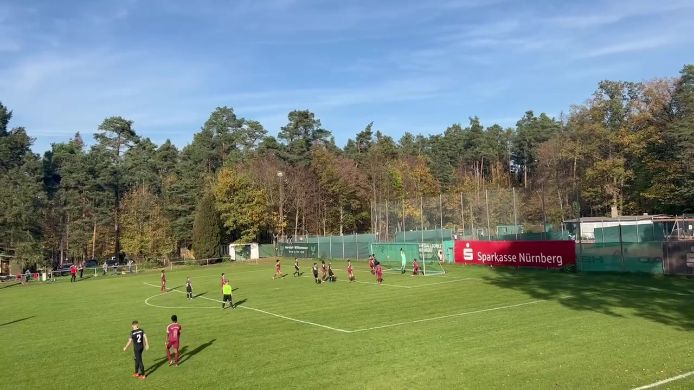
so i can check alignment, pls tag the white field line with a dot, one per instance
(175, 307)
(399, 285)
(359, 281)
(373, 327)
(444, 282)
(269, 313)
(446, 316)
(397, 271)
(664, 381)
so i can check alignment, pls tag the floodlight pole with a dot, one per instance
(280, 174)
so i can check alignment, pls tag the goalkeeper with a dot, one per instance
(403, 261)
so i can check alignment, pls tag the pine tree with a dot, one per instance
(207, 235)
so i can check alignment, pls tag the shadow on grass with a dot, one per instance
(154, 367)
(199, 295)
(15, 321)
(10, 284)
(185, 356)
(240, 302)
(666, 300)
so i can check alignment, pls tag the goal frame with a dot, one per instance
(254, 251)
(422, 250)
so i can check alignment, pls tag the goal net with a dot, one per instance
(244, 252)
(391, 255)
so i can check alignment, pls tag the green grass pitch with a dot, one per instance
(473, 328)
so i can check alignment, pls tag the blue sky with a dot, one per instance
(415, 66)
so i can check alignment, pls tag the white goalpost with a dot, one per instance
(244, 252)
(390, 255)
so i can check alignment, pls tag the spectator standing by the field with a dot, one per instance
(104, 267)
(138, 339)
(130, 266)
(73, 273)
(81, 269)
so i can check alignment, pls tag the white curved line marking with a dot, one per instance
(174, 307)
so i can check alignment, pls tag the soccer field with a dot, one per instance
(473, 328)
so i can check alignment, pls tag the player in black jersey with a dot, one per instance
(138, 339)
(315, 273)
(296, 267)
(189, 288)
(331, 274)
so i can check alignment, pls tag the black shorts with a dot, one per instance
(227, 297)
(315, 275)
(189, 289)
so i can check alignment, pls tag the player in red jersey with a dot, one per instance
(323, 271)
(350, 271)
(163, 281)
(73, 273)
(173, 339)
(222, 281)
(372, 263)
(278, 270)
(415, 267)
(379, 274)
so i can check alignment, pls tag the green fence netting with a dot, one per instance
(352, 246)
(433, 235)
(267, 250)
(389, 253)
(629, 233)
(449, 255)
(620, 257)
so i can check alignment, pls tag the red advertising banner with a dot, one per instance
(536, 254)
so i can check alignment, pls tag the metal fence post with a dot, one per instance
(515, 216)
(486, 201)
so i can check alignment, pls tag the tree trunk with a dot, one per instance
(296, 223)
(117, 226)
(67, 236)
(341, 217)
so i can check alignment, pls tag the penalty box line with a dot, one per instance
(266, 312)
(446, 316)
(373, 327)
(664, 381)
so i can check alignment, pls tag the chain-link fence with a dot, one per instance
(488, 214)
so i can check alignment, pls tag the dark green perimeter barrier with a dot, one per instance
(625, 257)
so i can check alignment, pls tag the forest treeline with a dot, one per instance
(628, 149)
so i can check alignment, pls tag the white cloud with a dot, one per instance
(634, 45)
(610, 12)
